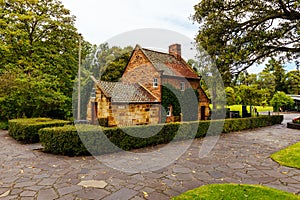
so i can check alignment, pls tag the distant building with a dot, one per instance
(137, 98)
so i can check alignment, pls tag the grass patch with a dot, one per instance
(236, 191)
(259, 108)
(239, 108)
(289, 156)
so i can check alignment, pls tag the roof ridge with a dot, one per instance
(158, 52)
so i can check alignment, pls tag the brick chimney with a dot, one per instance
(175, 49)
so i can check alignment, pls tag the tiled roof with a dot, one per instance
(171, 65)
(126, 92)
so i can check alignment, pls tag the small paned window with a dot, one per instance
(169, 111)
(155, 82)
(182, 86)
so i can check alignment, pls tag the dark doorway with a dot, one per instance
(203, 112)
(94, 112)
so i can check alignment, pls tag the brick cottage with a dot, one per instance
(137, 98)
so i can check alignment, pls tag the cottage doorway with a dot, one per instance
(203, 112)
(94, 112)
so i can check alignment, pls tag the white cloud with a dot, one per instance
(100, 20)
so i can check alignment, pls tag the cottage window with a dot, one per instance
(182, 86)
(155, 82)
(169, 111)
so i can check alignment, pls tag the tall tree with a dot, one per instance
(104, 63)
(293, 82)
(281, 100)
(276, 68)
(250, 95)
(238, 33)
(40, 42)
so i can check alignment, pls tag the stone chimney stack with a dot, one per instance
(175, 49)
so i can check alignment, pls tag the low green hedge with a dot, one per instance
(3, 125)
(67, 140)
(26, 129)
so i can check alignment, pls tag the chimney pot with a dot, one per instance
(175, 49)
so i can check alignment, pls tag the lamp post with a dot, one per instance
(79, 77)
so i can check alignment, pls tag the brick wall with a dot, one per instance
(140, 70)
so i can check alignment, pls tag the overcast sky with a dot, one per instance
(100, 20)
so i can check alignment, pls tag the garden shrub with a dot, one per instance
(103, 122)
(3, 125)
(26, 129)
(67, 140)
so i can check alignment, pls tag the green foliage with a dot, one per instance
(289, 156)
(280, 99)
(259, 108)
(103, 122)
(189, 104)
(171, 96)
(230, 96)
(293, 82)
(276, 69)
(104, 63)
(62, 140)
(182, 102)
(39, 51)
(115, 64)
(236, 191)
(3, 125)
(32, 96)
(239, 33)
(250, 95)
(26, 129)
(65, 140)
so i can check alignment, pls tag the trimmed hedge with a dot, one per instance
(67, 140)
(26, 129)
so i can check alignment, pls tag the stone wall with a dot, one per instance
(124, 114)
(134, 114)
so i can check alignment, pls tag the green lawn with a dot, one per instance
(259, 108)
(239, 108)
(236, 191)
(289, 156)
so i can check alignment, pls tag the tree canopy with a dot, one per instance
(39, 58)
(104, 63)
(280, 99)
(238, 33)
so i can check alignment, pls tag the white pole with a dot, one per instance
(79, 77)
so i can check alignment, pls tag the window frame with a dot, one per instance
(182, 86)
(155, 82)
(169, 111)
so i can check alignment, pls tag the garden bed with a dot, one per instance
(293, 125)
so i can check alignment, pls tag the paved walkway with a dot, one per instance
(241, 157)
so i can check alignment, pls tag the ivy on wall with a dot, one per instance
(189, 102)
(170, 96)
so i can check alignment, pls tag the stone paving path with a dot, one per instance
(241, 157)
